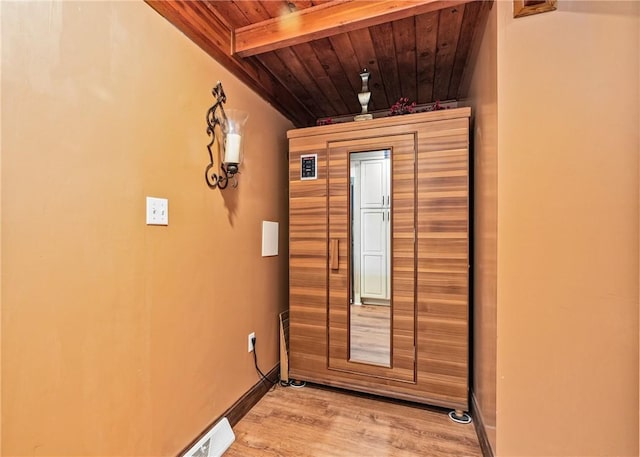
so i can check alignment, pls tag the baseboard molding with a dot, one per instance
(241, 407)
(481, 431)
(238, 410)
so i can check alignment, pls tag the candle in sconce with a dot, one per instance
(232, 148)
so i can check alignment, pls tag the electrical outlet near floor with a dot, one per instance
(250, 338)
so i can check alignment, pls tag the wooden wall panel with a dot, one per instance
(440, 327)
(443, 265)
(307, 268)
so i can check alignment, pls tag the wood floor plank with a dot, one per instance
(320, 422)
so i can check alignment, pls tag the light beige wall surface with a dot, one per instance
(568, 150)
(484, 103)
(119, 338)
(1, 236)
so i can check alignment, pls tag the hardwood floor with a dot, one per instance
(321, 422)
(371, 334)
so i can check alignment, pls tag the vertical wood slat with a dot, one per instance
(404, 32)
(289, 78)
(441, 303)
(366, 55)
(382, 38)
(308, 57)
(344, 49)
(467, 28)
(426, 41)
(326, 54)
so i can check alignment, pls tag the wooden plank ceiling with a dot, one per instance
(304, 56)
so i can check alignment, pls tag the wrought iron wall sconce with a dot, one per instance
(231, 128)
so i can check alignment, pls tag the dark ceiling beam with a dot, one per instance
(327, 19)
(214, 36)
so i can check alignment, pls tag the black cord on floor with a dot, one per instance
(255, 361)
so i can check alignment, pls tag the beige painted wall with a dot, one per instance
(1, 235)
(118, 338)
(484, 103)
(568, 147)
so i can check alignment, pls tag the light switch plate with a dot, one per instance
(157, 211)
(269, 238)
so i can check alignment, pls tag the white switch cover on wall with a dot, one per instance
(269, 238)
(157, 211)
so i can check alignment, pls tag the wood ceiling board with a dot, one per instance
(478, 31)
(347, 56)
(326, 54)
(383, 43)
(317, 103)
(286, 77)
(432, 60)
(448, 33)
(252, 10)
(309, 59)
(301, 4)
(276, 8)
(230, 12)
(426, 42)
(366, 55)
(325, 20)
(404, 34)
(470, 18)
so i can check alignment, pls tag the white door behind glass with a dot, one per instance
(373, 274)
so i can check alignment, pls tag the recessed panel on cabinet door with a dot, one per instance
(391, 205)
